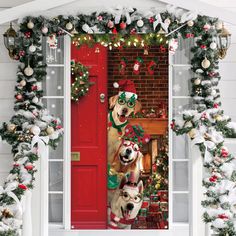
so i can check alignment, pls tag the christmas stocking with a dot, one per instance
(151, 66)
(122, 65)
(137, 64)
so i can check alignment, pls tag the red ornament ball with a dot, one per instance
(110, 24)
(122, 25)
(22, 186)
(19, 97)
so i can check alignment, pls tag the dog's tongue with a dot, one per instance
(127, 214)
(122, 118)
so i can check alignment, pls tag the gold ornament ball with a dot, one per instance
(205, 63)
(158, 186)
(30, 25)
(219, 25)
(218, 118)
(28, 71)
(69, 26)
(50, 130)
(22, 83)
(192, 133)
(190, 23)
(11, 127)
(197, 81)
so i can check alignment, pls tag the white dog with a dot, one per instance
(125, 204)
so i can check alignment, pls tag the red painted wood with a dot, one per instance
(89, 137)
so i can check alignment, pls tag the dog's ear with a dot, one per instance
(112, 101)
(140, 186)
(123, 182)
(137, 107)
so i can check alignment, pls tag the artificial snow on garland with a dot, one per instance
(206, 124)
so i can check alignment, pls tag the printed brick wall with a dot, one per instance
(152, 90)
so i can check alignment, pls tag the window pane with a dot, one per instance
(55, 208)
(56, 176)
(181, 81)
(181, 104)
(180, 208)
(180, 176)
(53, 84)
(180, 146)
(58, 152)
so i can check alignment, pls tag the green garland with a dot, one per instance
(206, 121)
(81, 84)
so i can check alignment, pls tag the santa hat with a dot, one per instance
(126, 86)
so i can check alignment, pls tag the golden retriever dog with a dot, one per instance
(117, 121)
(125, 204)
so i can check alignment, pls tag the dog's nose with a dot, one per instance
(124, 110)
(130, 206)
(128, 151)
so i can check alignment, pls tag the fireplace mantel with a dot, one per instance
(152, 126)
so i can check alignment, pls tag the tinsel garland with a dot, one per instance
(206, 124)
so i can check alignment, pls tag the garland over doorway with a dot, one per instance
(205, 123)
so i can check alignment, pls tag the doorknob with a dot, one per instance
(102, 97)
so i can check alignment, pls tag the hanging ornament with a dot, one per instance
(192, 133)
(97, 50)
(137, 64)
(173, 45)
(206, 27)
(205, 63)
(50, 130)
(114, 31)
(151, 66)
(28, 71)
(167, 21)
(11, 127)
(122, 25)
(22, 83)
(145, 52)
(69, 26)
(197, 81)
(30, 24)
(44, 30)
(190, 23)
(140, 23)
(110, 24)
(19, 97)
(29, 166)
(35, 100)
(32, 48)
(35, 130)
(52, 44)
(213, 45)
(122, 65)
(219, 25)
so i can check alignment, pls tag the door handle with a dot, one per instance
(102, 97)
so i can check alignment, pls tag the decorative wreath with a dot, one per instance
(81, 84)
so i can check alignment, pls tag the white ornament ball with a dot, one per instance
(28, 71)
(50, 130)
(140, 23)
(11, 127)
(69, 26)
(32, 48)
(219, 25)
(199, 71)
(190, 23)
(35, 99)
(213, 92)
(213, 45)
(205, 63)
(30, 25)
(167, 21)
(44, 30)
(35, 130)
(22, 83)
(197, 81)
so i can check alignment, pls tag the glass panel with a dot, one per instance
(180, 146)
(180, 208)
(58, 152)
(55, 176)
(54, 56)
(181, 104)
(183, 54)
(55, 107)
(54, 85)
(55, 209)
(181, 81)
(180, 176)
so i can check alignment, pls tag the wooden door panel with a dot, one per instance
(89, 138)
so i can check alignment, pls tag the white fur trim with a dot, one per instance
(115, 85)
(128, 94)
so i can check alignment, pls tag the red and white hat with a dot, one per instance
(126, 86)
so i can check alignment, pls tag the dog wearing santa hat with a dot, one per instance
(126, 203)
(122, 105)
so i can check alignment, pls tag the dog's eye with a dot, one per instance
(136, 148)
(131, 104)
(125, 195)
(121, 101)
(137, 199)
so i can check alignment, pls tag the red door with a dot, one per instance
(89, 138)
